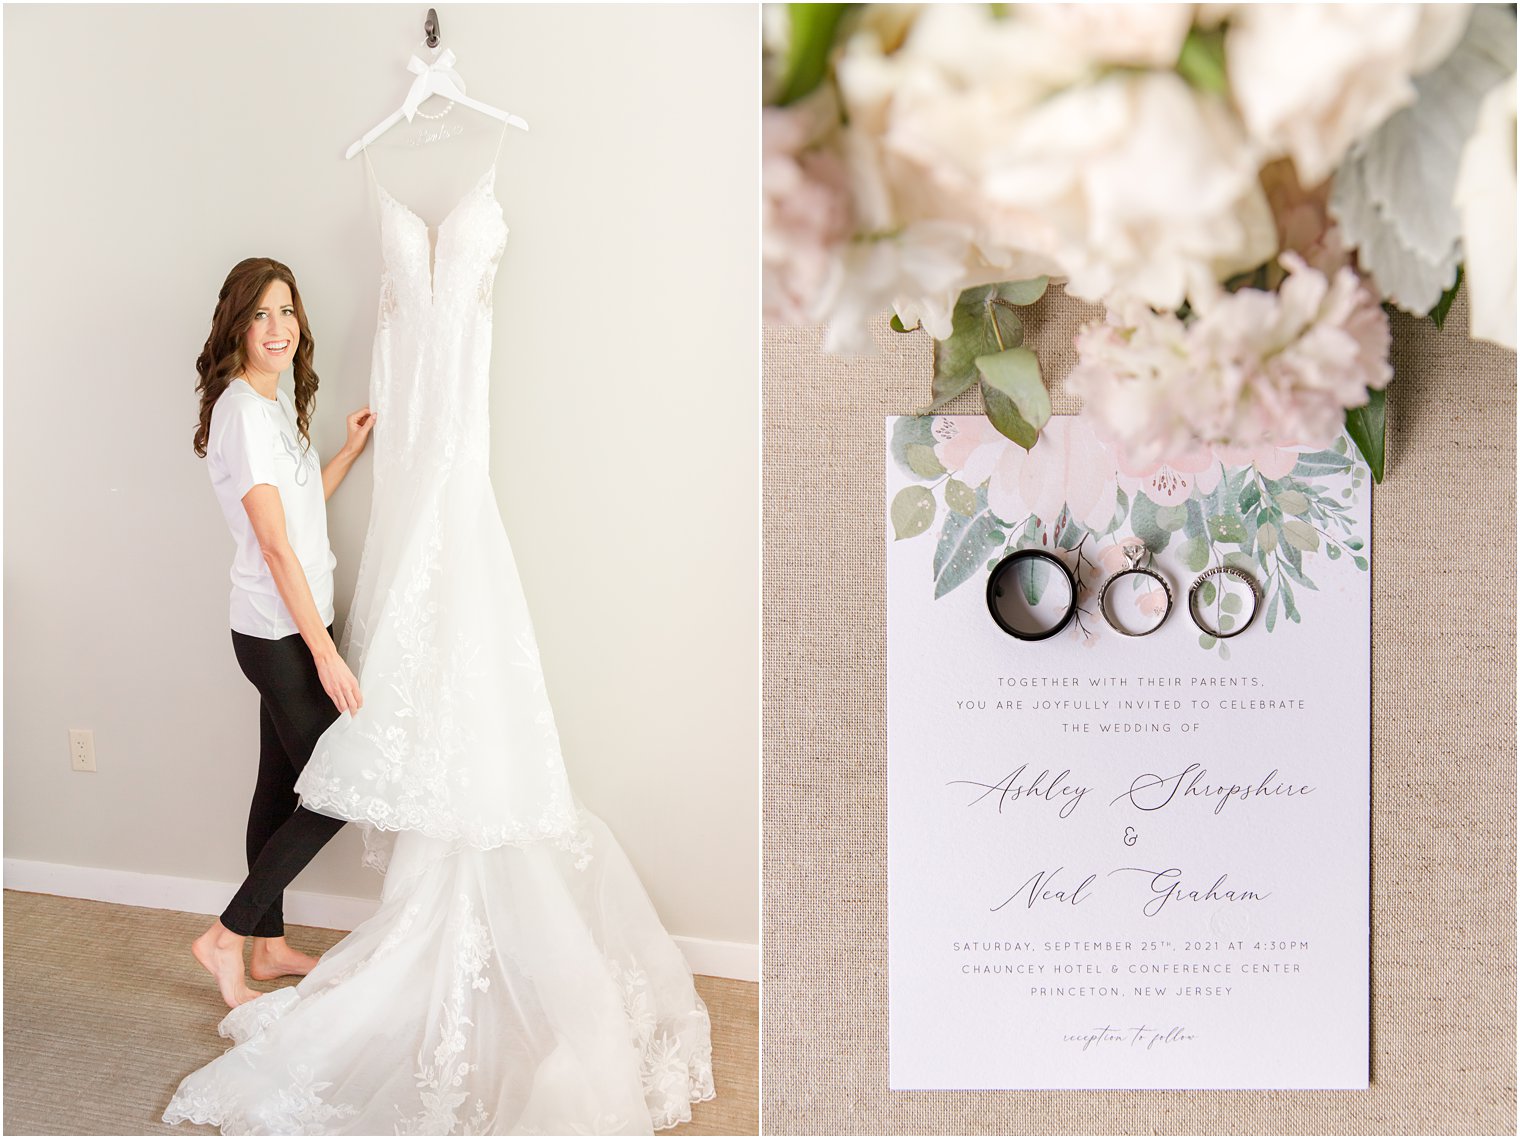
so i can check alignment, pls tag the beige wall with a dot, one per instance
(147, 149)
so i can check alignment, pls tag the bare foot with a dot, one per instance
(220, 951)
(273, 957)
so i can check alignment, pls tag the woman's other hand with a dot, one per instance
(359, 424)
(339, 681)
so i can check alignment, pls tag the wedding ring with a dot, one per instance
(1134, 554)
(1231, 571)
(1005, 599)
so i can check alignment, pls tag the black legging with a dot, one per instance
(282, 838)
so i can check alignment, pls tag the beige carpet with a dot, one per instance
(1443, 780)
(105, 1012)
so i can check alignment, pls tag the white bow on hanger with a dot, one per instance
(436, 78)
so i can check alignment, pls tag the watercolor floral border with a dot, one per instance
(1271, 512)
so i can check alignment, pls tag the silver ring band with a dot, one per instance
(1216, 571)
(1107, 616)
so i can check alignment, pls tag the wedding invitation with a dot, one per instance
(1127, 861)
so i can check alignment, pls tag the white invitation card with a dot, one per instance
(1127, 861)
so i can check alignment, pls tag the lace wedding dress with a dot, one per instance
(515, 979)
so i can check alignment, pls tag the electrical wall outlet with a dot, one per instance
(82, 749)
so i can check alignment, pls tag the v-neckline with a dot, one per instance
(434, 235)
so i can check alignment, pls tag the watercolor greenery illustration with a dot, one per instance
(984, 497)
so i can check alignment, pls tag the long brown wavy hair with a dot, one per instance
(223, 358)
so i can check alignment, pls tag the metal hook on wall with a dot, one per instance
(430, 27)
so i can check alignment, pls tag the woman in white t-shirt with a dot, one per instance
(273, 493)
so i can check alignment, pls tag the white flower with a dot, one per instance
(1252, 369)
(805, 206)
(1485, 196)
(917, 272)
(1141, 186)
(1393, 194)
(1310, 79)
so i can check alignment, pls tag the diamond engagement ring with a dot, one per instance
(1134, 554)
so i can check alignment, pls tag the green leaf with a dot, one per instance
(981, 316)
(1206, 641)
(1231, 603)
(1291, 502)
(962, 550)
(960, 498)
(1207, 592)
(1361, 562)
(1142, 521)
(1250, 497)
(1172, 518)
(1443, 306)
(1022, 292)
(811, 34)
(1033, 577)
(1355, 543)
(1266, 537)
(1243, 562)
(1366, 426)
(1272, 613)
(912, 511)
(922, 461)
(1299, 533)
(896, 324)
(908, 431)
(1333, 551)
(1014, 394)
(1201, 61)
(1227, 528)
(1195, 554)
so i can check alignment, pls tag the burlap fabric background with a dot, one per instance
(1443, 739)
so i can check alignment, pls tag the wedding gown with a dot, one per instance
(515, 978)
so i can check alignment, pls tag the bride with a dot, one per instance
(515, 978)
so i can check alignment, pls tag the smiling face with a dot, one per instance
(271, 340)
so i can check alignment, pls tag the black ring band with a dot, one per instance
(1232, 571)
(1103, 601)
(1005, 568)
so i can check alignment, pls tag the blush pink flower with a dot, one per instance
(1070, 469)
(1251, 370)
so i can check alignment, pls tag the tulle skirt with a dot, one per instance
(523, 989)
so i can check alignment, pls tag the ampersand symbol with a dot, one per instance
(1130, 837)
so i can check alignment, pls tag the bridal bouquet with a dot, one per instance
(1246, 189)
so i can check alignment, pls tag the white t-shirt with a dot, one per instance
(254, 440)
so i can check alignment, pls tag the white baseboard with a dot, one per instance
(733, 959)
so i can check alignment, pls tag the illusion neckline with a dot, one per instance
(465, 197)
(434, 234)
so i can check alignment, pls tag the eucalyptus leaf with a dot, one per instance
(1004, 415)
(1299, 533)
(1172, 518)
(1292, 502)
(1015, 375)
(1231, 603)
(1250, 497)
(1195, 554)
(1367, 426)
(960, 498)
(982, 323)
(912, 511)
(1272, 613)
(1266, 537)
(1142, 521)
(922, 461)
(1227, 528)
(909, 431)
